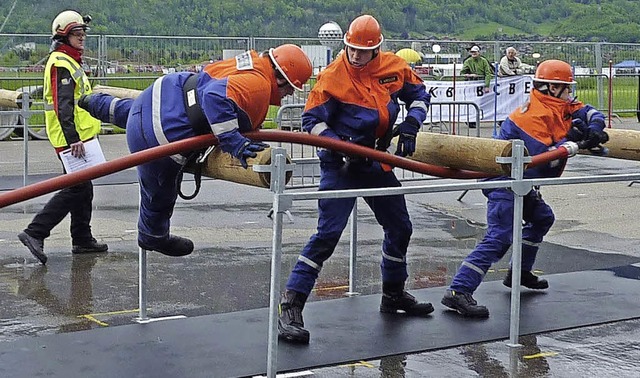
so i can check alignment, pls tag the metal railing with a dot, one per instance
(283, 202)
(307, 170)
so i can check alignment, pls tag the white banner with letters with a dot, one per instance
(512, 92)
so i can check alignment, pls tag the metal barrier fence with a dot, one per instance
(140, 54)
(124, 54)
(133, 62)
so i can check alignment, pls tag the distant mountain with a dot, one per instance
(582, 20)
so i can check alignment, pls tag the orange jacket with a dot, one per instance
(361, 104)
(542, 124)
(248, 80)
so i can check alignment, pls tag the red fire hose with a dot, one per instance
(203, 141)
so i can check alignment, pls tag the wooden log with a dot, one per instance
(117, 91)
(11, 99)
(223, 166)
(462, 152)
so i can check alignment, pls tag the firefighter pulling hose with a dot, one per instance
(551, 121)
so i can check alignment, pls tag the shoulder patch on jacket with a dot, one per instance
(389, 79)
(244, 61)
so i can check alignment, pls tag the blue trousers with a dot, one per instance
(333, 214)
(538, 218)
(157, 178)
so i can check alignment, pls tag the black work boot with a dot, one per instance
(290, 322)
(172, 246)
(464, 304)
(395, 299)
(35, 245)
(527, 279)
(92, 246)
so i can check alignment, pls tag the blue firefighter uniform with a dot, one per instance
(359, 105)
(543, 124)
(234, 96)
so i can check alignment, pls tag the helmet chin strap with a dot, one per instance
(564, 88)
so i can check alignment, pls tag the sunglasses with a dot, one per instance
(78, 34)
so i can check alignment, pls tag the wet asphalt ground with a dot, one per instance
(596, 227)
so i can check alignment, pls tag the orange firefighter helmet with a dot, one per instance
(555, 72)
(364, 33)
(292, 63)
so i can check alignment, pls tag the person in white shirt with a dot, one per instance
(510, 64)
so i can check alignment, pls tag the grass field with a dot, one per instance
(624, 93)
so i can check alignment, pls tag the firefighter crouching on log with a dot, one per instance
(550, 118)
(229, 97)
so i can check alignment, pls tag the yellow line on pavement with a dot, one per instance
(360, 363)
(114, 312)
(331, 288)
(91, 318)
(540, 355)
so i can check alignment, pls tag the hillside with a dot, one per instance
(582, 20)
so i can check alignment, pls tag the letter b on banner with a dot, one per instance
(480, 91)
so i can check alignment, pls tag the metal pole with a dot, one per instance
(278, 157)
(142, 285)
(495, 103)
(353, 251)
(142, 277)
(514, 355)
(637, 103)
(453, 115)
(599, 72)
(517, 172)
(610, 102)
(25, 136)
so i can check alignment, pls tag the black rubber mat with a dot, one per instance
(342, 330)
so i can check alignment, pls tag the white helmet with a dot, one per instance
(67, 21)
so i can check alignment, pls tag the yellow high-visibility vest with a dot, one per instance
(86, 126)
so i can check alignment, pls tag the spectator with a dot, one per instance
(511, 65)
(477, 67)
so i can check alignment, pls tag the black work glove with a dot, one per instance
(406, 132)
(593, 139)
(578, 131)
(330, 156)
